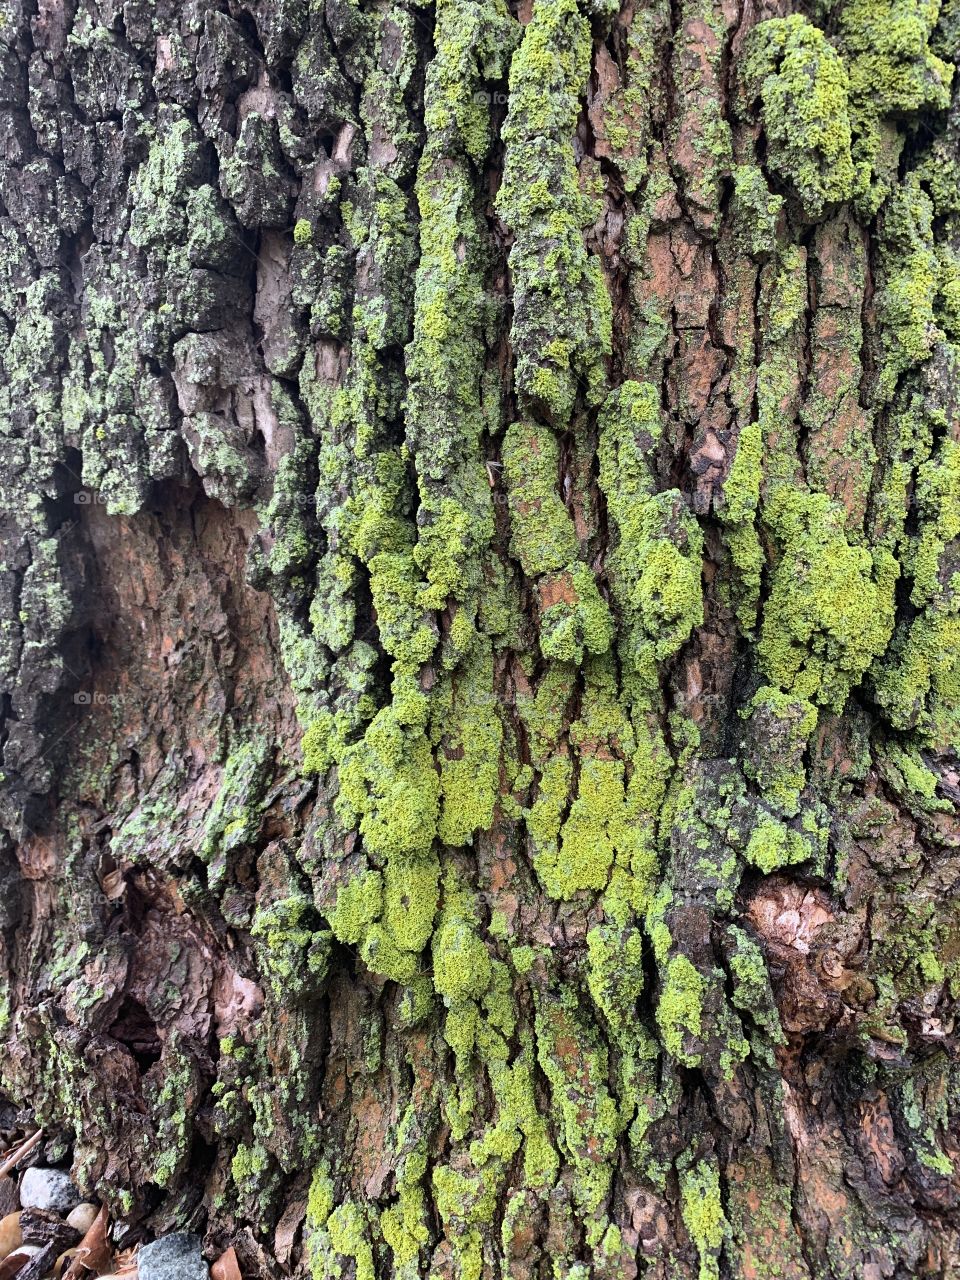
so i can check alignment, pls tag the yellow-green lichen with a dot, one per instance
(802, 85)
(703, 1215)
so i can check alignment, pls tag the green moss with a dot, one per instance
(586, 851)
(248, 1165)
(615, 976)
(542, 532)
(380, 953)
(627, 114)
(518, 1124)
(772, 845)
(679, 1008)
(922, 684)
(904, 768)
(780, 728)
(473, 42)
(894, 75)
(293, 952)
(574, 1059)
(754, 213)
(405, 1224)
(655, 564)
(938, 503)
(803, 87)
(349, 1235)
(302, 231)
(467, 728)
(574, 617)
(320, 1199)
(461, 964)
(235, 813)
(752, 993)
(359, 903)
(411, 897)
(389, 780)
(741, 495)
(703, 1215)
(911, 279)
(831, 606)
(464, 1200)
(321, 744)
(562, 313)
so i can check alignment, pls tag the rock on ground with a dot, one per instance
(173, 1257)
(48, 1189)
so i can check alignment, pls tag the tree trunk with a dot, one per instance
(481, 629)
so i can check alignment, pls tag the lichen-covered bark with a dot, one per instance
(481, 629)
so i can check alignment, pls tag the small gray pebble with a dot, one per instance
(173, 1257)
(48, 1189)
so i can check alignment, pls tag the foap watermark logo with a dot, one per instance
(94, 698)
(89, 498)
(498, 98)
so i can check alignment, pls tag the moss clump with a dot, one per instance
(680, 1007)
(655, 564)
(349, 1236)
(293, 951)
(773, 845)
(586, 851)
(562, 313)
(467, 728)
(894, 75)
(410, 898)
(703, 1215)
(320, 1199)
(779, 728)
(741, 496)
(752, 993)
(918, 684)
(755, 212)
(574, 618)
(465, 1202)
(802, 84)
(615, 974)
(574, 1059)
(359, 903)
(542, 532)
(390, 782)
(461, 963)
(831, 605)
(518, 1124)
(911, 281)
(404, 1225)
(605, 840)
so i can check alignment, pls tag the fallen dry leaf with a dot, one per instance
(93, 1252)
(226, 1267)
(13, 1263)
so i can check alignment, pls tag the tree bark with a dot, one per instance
(481, 644)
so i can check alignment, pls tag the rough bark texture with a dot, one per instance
(481, 628)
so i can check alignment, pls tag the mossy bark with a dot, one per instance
(481, 629)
